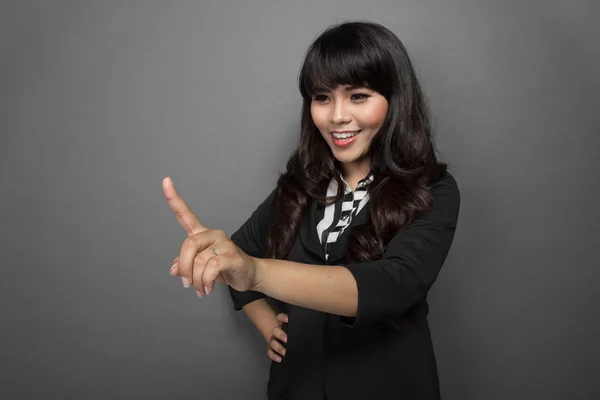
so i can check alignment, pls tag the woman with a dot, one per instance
(350, 241)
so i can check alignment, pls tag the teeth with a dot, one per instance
(344, 135)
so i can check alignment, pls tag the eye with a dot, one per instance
(359, 96)
(320, 98)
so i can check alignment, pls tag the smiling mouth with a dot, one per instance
(345, 135)
(344, 139)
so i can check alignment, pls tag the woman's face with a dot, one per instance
(348, 119)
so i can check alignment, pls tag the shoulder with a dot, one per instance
(446, 181)
(446, 184)
(446, 196)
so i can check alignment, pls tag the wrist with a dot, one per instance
(259, 275)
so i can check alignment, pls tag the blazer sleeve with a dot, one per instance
(251, 237)
(392, 285)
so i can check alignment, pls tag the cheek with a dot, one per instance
(319, 117)
(374, 115)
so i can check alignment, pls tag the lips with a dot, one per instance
(344, 141)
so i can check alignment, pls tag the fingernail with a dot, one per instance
(286, 319)
(278, 359)
(172, 271)
(198, 293)
(185, 281)
(206, 290)
(285, 339)
(283, 351)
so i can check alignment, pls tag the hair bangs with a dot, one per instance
(341, 59)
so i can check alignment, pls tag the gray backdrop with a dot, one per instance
(101, 100)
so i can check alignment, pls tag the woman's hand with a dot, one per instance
(208, 256)
(276, 350)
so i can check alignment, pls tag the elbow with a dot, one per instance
(395, 299)
(386, 293)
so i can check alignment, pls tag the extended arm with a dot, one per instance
(325, 288)
(375, 290)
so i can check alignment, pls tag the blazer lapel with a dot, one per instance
(308, 233)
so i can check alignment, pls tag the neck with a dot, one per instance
(354, 172)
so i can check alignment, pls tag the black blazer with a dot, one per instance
(364, 357)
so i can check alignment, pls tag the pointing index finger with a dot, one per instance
(187, 219)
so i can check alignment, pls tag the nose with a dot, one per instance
(339, 113)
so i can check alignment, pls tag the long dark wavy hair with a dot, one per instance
(401, 154)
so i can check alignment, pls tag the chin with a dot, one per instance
(346, 160)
